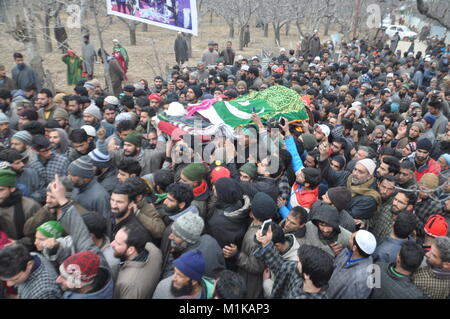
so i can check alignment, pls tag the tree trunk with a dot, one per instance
(211, 17)
(32, 46)
(356, 17)
(189, 43)
(288, 28)
(61, 35)
(231, 26)
(327, 26)
(144, 27)
(241, 37)
(102, 47)
(132, 28)
(299, 29)
(83, 18)
(47, 35)
(277, 33)
(266, 30)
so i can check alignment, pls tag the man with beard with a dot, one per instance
(110, 107)
(28, 178)
(140, 265)
(389, 166)
(93, 117)
(145, 125)
(422, 160)
(90, 194)
(295, 223)
(82, 144)
(434, 279)
(23, 75)
(15, 209)
(323, 229)
(406, 177)
(47, 163)
(145, 211)
(123, 209)
(74, 108)
(59, 140)
(46, 108)
(21, 142)
(386, 188)
(426, 205)
(193, 94)
(188, 279)
(149, 159)
(104, 169)
(350, 275)
(128, 168)
(306, 278)
(158, 84)
(361, 182)
(186, 236)
(5, 131)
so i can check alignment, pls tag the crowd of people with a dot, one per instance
(97, 202)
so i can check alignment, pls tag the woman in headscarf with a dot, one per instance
(121, 55)
(74, 67)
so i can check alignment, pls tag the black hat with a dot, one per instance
(40, 142)
(424, 144)
(263, 206)
(129, 88)
(340, 197)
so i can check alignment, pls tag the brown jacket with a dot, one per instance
(150, 219)
(249, 267)
(30, 207)
(138, 280)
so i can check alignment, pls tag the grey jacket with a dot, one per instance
(393, 287)
(349, 281)
(94, 198)
(34, 184)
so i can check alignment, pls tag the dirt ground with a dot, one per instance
(153, 45)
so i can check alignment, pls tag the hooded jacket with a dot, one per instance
(321, 212)
(230, 219)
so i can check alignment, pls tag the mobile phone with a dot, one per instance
(265, 226)
(253, 109)
(283, 121)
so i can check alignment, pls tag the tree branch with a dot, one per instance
(425, 10)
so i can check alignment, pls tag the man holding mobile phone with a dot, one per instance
(249, 267)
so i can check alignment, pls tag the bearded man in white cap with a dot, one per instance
(350, 279)
(361, 182)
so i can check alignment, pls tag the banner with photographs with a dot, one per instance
(177, 15)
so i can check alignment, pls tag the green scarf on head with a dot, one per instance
(160, 198)
(364, 189)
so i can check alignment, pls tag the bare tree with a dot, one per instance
(438, 11)
(23, 29)
(131, 24)
(235, 11)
